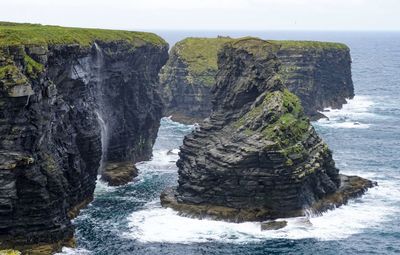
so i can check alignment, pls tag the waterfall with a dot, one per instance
(100, 111)
(104, 140)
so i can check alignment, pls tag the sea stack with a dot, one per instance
(257, 157)
(319, 73)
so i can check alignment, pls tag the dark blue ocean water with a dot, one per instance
(365, 138)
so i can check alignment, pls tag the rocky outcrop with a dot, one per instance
(117, 174)
(187, 78)
(257, 157)
(317, 72)
(70, 100)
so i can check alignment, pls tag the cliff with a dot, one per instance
(71, 100)
(257, 157)
(317, 72)
(188, 76)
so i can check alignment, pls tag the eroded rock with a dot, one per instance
(273, 225)
(120, 173)
(257, 157)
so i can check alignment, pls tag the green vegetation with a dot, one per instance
(200, 54)
(8, 69)
(310, 45)
(287, 125)
(254, 45)
(33, 68)
(9, 252)
(291, 125)
(36, 34)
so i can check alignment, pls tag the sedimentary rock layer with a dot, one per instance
(257, 157)
(317, 72)
(65, 92)
(188, 76)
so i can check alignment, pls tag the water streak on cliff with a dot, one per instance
(99, 62)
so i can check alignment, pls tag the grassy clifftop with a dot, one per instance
(200, 54)
(36, 34)
(285, 44)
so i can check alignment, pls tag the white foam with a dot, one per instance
(157, 224)
(102, 187)
(347, 124)
(162, 160)
(354, 114)
(72, 251)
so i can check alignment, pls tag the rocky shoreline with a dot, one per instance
(351, 187)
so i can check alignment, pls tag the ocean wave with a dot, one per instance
(73, 251)
(354, 114)
(156, 224)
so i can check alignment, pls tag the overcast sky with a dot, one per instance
(208, 14)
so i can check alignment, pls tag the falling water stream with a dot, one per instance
(99, 62)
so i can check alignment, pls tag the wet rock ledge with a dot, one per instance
(319, 73)
(257, 157)
(71, 100)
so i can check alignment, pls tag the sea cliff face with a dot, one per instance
(188, 76)
(71, 100)
(257, 157)
(319, 73)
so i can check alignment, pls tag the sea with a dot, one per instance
(364, 136)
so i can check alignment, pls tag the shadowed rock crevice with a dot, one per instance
(257, 157)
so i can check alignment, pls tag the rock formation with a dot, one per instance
(65, 92)
(257, 157)
(317, 72)
(188, 76)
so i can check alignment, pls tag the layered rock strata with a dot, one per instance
(317, 72)
(70, 100)
(188, 76)
(257, 157)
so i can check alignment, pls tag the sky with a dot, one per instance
(208, 14)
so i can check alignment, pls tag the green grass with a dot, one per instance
(309, 45)
(200, 54)
(36, 34)
(33, 68)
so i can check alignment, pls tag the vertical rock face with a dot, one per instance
(51, 96)
(257, 157)
(188, 76)
(319, 73)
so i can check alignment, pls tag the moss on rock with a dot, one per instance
(9, 252)
(32, 68)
